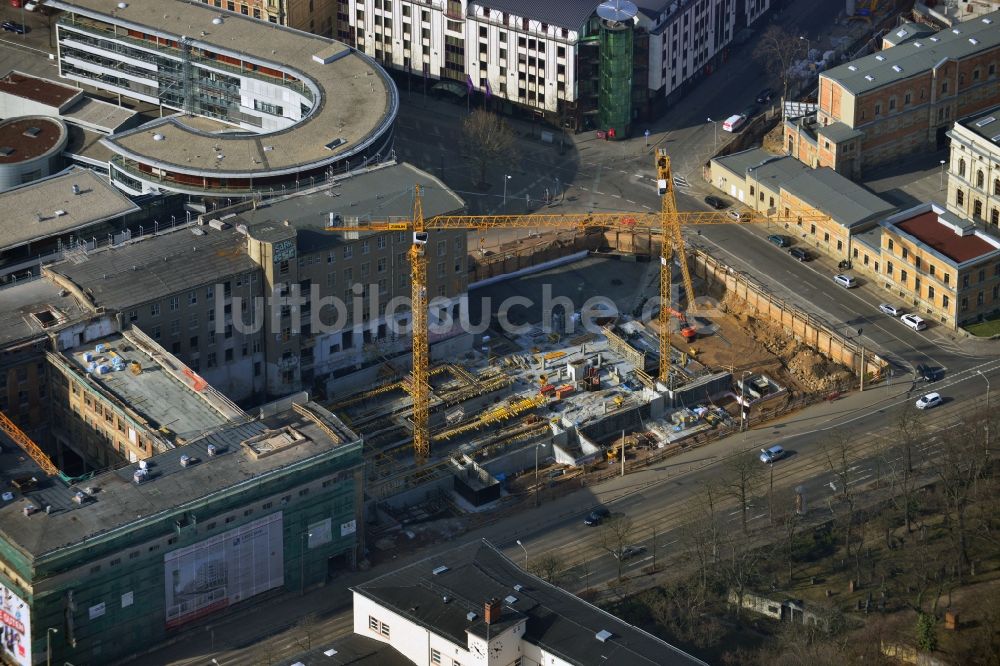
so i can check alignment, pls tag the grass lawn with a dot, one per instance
(986, 328)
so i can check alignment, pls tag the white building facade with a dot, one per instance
(974, 167)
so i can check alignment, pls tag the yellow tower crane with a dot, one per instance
(668, 223)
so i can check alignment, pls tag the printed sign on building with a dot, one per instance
(15, 622)
(224, 569)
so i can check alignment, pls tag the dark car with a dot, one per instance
(10, 26)
(927, 373)
(750, 111)
(597, 516)
(716, 202)
(779, 240)
(764, 96)
(628, 552)
(800, 254)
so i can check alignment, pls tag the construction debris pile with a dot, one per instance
(811, 370)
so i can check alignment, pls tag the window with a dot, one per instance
(959, 197)
(272, 109)
(902, 276)
(384, 630)
(888, 268)
(977, 209)
(192, 298)
(965, 281)
(961, 167)
(373, 624)
(930, 292)
(348, 251)
(435, 656)
(891, 245)
(980, 179)
(945, 300)
(906, 253)
(154, 310)
(965, 303)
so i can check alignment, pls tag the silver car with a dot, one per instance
(890, 310)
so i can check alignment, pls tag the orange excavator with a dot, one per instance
(688, 332)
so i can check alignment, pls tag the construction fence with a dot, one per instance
(803, 326)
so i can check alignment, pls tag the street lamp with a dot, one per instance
(302, 563)
(716, 125)
(505, 179)
(806, 40)
(48, 644)
(744, 408)
(942, 174)
(987, 380)
(525, 554)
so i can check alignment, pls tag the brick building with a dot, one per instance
(901, 100)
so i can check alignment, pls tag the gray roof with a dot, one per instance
(740, 163)
(149, 269)
(871, 238)
(120, 502)
(556, 620)
(906, 32)
(985, 123)
(48, 207)
(838, 132)
(381, 193)
(18, 301)
(918, 55)
(350, 650)
(847, 203)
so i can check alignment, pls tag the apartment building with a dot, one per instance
(547, 59)
(940, 264)
(901, 100)
(974, 167)
(209, 294)
(308, 107)
(98, 569)
(307, 15)
(473, 606)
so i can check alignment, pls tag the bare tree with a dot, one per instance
(547, 567)
(615, 535)
(740, 570)
(776, 51)
(307, 629)
(959, 467)
(488, 140)
(742, 478)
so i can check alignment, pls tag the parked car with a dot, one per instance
(913, 321)
(929, 400)
(716, 202)
(764, 96)
(11, 26)
(772, 454)
(779, 240)
(890, 310)
(739, 216)
(750, 111)
(733, 123)
(597, 516)
(800, 253)
(845, 281)
(628, 552)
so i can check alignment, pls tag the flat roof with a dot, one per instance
(98, 114)
(30, 211)
(119, 502)
(556, 620)
(28, 137)
(838, 132)
(153, 267)
(906, 32)
(986, 124)
(37, 89)
(380, 193)
(160, 391)
(949, 236)
(742, 162)
(356, 98)
(917, 55)
(28, 309)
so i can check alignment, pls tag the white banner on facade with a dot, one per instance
(16, 626)
(224, 569)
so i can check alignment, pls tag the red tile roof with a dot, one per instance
(928, 230)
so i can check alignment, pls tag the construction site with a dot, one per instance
(576, 378)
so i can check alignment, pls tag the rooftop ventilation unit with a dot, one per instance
(935, 39)
(880, 57)
(518, 587)
(852, 68)
(211, 450)
(197, 232)
(603, 635)
(60, 213)
(987, 21)
(122, 5)
(973, 41)
(917, 44)
(470, 616)
(339, 141)
(439, 570)
(76, 189)
(510, 599)
(956, 31)
(32, 132)
(869, 77)
(897, 68)
(185, 460)
(6, 151)
(996, 139)
(217, 20)
(983, 122)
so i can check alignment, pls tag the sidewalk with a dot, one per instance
(270, 616)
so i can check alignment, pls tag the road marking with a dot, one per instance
(758, 516)
(860, 479)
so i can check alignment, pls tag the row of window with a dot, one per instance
(980, 180)
(977, 208)
(908, 95)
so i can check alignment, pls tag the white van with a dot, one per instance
(733, 123)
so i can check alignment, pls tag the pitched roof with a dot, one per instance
(827, 191)
(918, 55)
(557, 621)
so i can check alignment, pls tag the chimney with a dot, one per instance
(493, 609)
